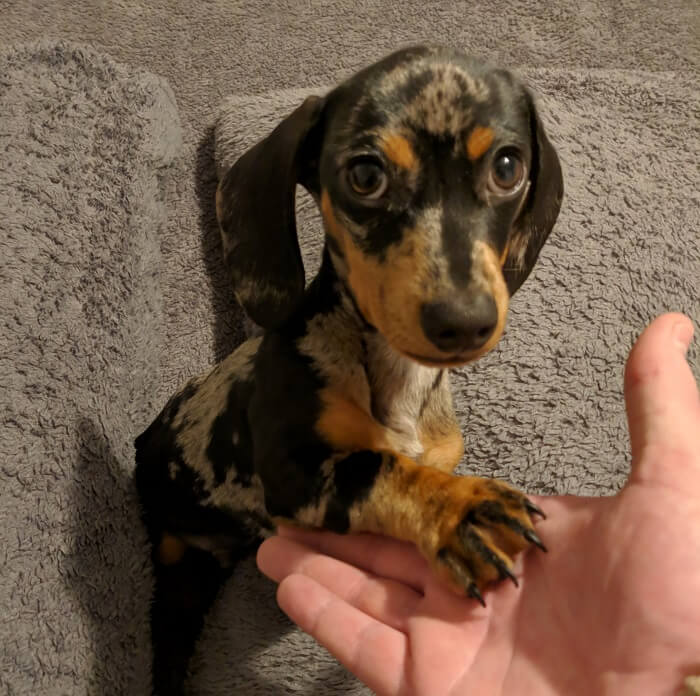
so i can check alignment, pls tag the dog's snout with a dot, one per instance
(454, 326)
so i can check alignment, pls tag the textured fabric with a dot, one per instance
(618, 86)
(209, 50)
(84, 149)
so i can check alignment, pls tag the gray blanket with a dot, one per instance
(105, 309)
(84, 148)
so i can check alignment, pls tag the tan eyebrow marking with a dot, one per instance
(399, 150)
(479, 141)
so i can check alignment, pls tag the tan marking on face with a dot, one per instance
(171, 549)
(479, 141)
(399, 150)
(390, 293)
(360, 269)
(493, 282)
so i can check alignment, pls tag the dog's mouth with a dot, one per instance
(450, 361)
(444, 360)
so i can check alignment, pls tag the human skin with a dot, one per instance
(613, 608)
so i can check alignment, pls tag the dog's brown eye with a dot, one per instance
(507, 172)
(367, 178)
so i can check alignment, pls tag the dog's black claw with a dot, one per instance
(534, 509)
(474, 593)
(506, 573)
(503, 570)
(534, 539)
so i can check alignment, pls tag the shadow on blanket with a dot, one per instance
(228, 328)
(103, 521)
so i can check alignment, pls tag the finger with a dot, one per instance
(388, 601)
(381, 556)
(375, 653)
(663, 407)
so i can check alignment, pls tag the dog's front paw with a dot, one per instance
(484, 524)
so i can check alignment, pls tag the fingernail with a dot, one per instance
(682, 333)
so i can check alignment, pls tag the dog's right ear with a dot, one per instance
(256, 213)
(540, 208)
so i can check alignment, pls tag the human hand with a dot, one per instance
(613, 608)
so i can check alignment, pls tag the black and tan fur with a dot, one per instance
(340, 416)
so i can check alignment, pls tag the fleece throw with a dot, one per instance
(85, 148)
(97, 331)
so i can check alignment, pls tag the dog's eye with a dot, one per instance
(367, 178)
(507, 172)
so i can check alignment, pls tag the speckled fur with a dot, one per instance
(340, 414)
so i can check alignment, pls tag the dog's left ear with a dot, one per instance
(540, 209)
(256, 212)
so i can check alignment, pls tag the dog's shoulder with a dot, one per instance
(205, 419)
(320, 352)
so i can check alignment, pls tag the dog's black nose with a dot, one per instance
(454, 326)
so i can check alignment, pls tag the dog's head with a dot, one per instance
(437, 186)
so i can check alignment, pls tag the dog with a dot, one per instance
(437, 186)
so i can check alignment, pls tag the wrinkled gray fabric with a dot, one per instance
(85, 146)
(618, 88)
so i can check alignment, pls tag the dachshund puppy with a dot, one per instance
(437, 187)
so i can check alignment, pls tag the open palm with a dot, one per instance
(613, 608)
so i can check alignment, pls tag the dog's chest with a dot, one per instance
(399, 390)
(367, 372)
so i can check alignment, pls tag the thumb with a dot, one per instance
(663, 406)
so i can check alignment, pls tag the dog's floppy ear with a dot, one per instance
(539, 210)
(256, 213)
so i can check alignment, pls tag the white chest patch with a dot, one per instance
(399, 389)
